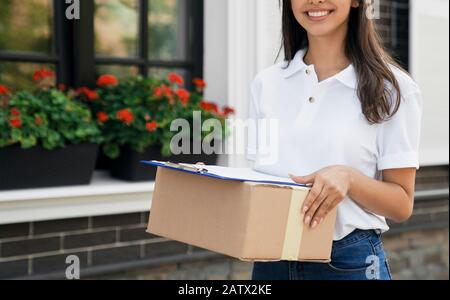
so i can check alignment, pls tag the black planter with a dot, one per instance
(129, 167)
(103, 162)
(37, 167)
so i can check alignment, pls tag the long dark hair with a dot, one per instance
(376, 81)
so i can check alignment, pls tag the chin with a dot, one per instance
(319, 31)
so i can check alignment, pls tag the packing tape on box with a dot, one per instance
(294, 227)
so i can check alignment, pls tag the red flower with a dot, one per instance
(214, 108)
(62, 87)
(152, 126)
(168, 92)
(158, 92)
(228, 111)
(107, 80)
(83, 90)
(209, 107)
(199, 83)
(15, 123)
(15, 120)
(4, 90)
(38, 121)
(42, 74)
(102, 117)
(91, 95)
(176, 79)
(184, 96)
(15, 112)
(126, 116)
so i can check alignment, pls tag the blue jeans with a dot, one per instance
(359, 256)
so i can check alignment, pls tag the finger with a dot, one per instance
(312, 195)
(303, 179)
(310, 199)
(327, 205)
(200, 163)
(314, 207)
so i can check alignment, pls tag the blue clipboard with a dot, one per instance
(202, 171)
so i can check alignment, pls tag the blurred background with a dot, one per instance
(225, 42)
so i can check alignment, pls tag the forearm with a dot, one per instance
(387, 199)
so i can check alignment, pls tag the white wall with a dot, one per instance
(430, 67)
(242, 37)
(216, 54)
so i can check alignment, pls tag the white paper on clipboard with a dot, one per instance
(235, 174)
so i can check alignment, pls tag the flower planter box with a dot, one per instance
(129, 167)
(103, 162)
(37, 167)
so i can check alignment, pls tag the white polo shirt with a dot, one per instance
(321, 124)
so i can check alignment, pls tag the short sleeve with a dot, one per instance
(252, 133)
(399, 138)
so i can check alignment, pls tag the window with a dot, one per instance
(121, 37)
(27, 40)
(400, 31)
(394, 28)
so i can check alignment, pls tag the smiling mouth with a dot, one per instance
(318, 14)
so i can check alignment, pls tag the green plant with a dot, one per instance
(138, 111)
(46, 116)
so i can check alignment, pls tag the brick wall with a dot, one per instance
(40, 248)
(417, 254)
(216, 268)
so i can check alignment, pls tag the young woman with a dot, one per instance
(349, 124)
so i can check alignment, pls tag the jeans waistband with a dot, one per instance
(356, 236)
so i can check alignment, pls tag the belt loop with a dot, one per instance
(378, 232)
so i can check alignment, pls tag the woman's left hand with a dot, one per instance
(329, 187)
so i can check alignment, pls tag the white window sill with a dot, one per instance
(104, 196)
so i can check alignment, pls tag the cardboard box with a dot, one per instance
(248, 221)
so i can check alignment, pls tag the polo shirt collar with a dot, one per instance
(347, 76)
(296, 65)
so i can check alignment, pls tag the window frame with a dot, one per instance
(400, 33)
(74, 55)
(59, 56)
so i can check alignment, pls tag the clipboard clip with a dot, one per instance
(186, 167)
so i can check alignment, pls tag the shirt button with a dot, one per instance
(308, 72)
(312, 99)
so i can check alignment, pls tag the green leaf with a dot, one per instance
(111, 150)
(16, 135)
(28, 142)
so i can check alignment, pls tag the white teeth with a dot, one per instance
(318, 13)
